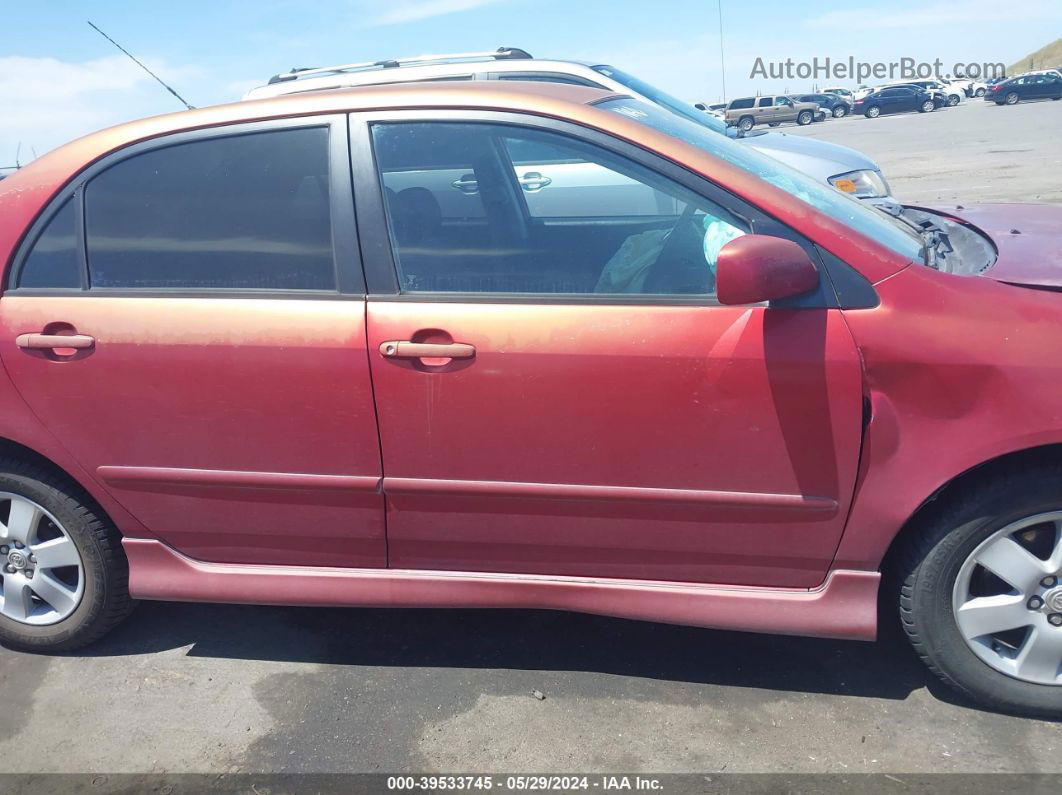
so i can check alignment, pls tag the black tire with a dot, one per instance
(953, 100)
(745, 123)
(926, 568)
(773, 123)
(840, 112)
(105, 601)
(979, 93)
(804, 118)
(927, 107)
(872, 112)
(1011, 98)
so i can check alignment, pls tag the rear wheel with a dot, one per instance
(840, 112)
(872, 112)
(63, 576)
(953, 100)
(981, 595)
(805, 117)
(745, 123)
(1011, 98)
(979, 93)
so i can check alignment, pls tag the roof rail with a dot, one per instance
(501, 54)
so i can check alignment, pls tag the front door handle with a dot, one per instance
(533, 181)
(39, 342)
(403, 349)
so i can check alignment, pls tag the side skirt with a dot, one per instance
(845, 606)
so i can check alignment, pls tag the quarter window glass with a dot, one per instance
(53, 260)
(245, 211)
(558, 216)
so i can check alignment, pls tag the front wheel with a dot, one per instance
(804, 118)
(1011, 98)
(979, 93)
(872, 112)
(981, 595)
(840, 112)
(63, 575)
(927, 106)
(953, 100)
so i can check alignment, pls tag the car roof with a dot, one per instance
(411, 70)
(549, 99)
(24, 193)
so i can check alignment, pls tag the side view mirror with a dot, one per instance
(755, 268)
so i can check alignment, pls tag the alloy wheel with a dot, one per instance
(42, 576)
(1007, 599)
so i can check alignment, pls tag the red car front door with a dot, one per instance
(584, 405)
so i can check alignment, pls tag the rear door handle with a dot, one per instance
(403, 349)
(51, 341)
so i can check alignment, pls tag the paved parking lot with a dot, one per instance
(203, 688)
(976, 151)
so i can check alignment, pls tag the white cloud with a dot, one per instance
(922, 15)
(417, 10)
(47, 101)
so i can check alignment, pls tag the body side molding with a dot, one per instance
(845, 606)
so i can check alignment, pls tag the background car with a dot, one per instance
(746, 112)
(840, 91)
(1031, 86)
(952, 94)
(895, 99)
(972, 88)
(827, 162)
(836, 105)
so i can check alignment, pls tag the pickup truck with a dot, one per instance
(746, 112)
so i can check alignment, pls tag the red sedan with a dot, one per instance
(524, 345)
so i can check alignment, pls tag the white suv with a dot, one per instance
(845, 169)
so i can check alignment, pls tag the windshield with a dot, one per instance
(665, 100)
(888, 231)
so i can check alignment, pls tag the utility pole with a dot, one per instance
(722, 60)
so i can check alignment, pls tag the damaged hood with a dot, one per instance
(1028, 238)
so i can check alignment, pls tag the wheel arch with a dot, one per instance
(87, 489)
(1028, 457)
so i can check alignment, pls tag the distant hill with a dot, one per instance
(1047, 57)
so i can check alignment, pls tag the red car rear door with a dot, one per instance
(216, 380)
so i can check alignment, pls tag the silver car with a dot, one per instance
(846, 169)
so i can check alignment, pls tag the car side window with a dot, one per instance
(765, 102)
(53, 260)
(247, 211)
(576, 220)
(741, 104)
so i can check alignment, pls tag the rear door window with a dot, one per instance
(53, 260)
(248, 211)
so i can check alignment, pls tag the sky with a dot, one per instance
(59, 79)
